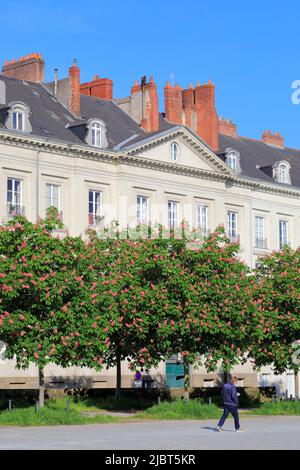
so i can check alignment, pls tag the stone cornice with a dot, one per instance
(53, 146)
(129, 157)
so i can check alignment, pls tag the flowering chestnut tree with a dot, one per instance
(45, 303)
(277, 299)
(124, 303)
(206, 294)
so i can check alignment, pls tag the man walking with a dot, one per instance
(230, 404)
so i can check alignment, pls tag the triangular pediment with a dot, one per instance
(193, 152)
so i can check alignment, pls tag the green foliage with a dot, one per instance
(50, 415)
(280, 408)
(179, 409)
(277, 300)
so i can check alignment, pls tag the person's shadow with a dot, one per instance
(214, 429)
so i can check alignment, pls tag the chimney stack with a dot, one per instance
(74, 76)
(275, 139)
(227, 127)
(173, 103)
(194, 107)
(144, 105)
(98, 87)
(30, 68)
(206, 116)
(188, 104)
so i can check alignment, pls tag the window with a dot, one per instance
(281, 172)
(142, 212)
(14, 197)
(18, 117)
(231, 160)
(265, 380)
(18, 121)
(96, 135)
(2, 351)
(52, 195)
(173, 214)
(232, 225)
(94, 207)
(201, 217)
(260, 241)
(208, 383)
(283, 233)
(174, 151)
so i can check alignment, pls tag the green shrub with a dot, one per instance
(179, 409)
(278, 408)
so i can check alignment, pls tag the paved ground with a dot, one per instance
(260, 433)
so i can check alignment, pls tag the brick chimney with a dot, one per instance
(227, 127)
(173, 103)
(144, 105)
(275, 139)
(194, 107)
(30, 68)
(98, 87)
(74, 78)
(188, 103)
(206, 115)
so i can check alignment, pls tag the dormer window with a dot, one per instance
(232, 158)
(18, 120)
(96, 134)
(281, 172)
(18, 117)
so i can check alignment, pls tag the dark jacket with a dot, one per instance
(229, 394)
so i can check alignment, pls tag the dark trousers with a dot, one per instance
(234, 411)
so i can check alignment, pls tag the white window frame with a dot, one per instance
(52, 185)
(96, 210)
(142, 209)
(232, 161)
(174, 151)
(232, 224)
(173, 214)
(259, 230)
(14, 192)
(282, 173)
(17, 113)
(96, 135)
(202, 216)
(283, 237)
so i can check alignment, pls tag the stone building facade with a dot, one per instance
(98, 159)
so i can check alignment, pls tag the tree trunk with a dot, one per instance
(296, 385)
(118, 378)
(41, 387)
(225, 376)
(186, 380)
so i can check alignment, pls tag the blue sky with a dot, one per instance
(250, 50)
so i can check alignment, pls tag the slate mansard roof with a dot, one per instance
(50, 119)
(257, 158)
